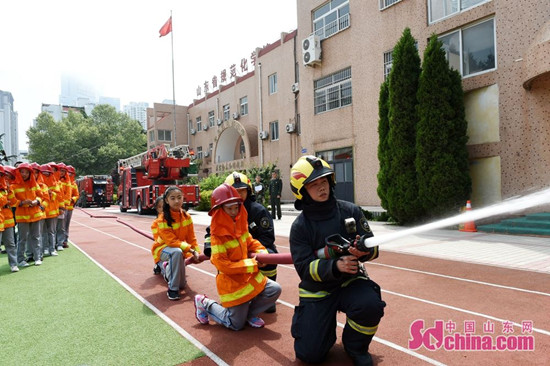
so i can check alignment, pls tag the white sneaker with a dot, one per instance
(54, 253)
(15, 269)
(46, 252)
(38, 262)
(60, 248)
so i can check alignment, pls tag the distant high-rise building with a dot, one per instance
(76, 92)
(115, 102)
(138, 111)
(8, 127)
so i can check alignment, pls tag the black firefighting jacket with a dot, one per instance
(260, 224)
(319, 277)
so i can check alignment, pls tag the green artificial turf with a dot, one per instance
(69, 312)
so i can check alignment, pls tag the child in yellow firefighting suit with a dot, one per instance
(243, 290)
(174, 241)
(332, 280)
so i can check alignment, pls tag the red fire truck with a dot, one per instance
(146, 176)
(95, 190)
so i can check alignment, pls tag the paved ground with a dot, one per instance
(461, 279)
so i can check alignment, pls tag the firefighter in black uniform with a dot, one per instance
(260, 223)
(324, 246)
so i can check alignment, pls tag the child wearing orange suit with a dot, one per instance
(243, 290)
(8, 236)
(51, 206)
(175, 239)
(28, 213)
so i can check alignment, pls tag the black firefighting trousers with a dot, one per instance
(314, 321)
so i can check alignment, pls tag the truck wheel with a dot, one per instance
(122, 209)
(140, 207)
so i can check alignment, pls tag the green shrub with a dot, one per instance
(204, 203)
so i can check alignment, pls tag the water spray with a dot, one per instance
(508, 206)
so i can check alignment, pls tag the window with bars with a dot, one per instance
(211, 121)
(388, 61)
(272, 83)
(199, 152)
(331, 18)
(274, 130)
(244, 106)
(164, 135)
(471, 50)
(199, 124)
(387, 3)
(439, 9)
(226, 112)
(332, 91)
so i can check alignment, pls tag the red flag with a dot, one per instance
(166, 28)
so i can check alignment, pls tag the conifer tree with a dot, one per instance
(441, 156)
(402, 191)
(383, 130)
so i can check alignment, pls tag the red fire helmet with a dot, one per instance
(223, 194)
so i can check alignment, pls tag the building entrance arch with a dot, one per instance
(235, 145)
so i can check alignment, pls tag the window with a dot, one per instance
(272, 83)
(331, 18)
(164, 135)
(244, 106)
(210, 147)
(226, 112)
(199, 152)
(333, 91)
(199, 124)
(387, 3)
(471, 50)
(152, 135)
(211, 121)
(439, 9)
(388, 61)
(274, 130)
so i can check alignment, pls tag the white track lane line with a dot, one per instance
(461, 279)
(200, 345)
(170, 322)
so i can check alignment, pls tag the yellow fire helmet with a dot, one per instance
(238, 180)
(307, 169)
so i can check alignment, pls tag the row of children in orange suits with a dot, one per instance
(37, 200)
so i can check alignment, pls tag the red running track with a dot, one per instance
(414, 288)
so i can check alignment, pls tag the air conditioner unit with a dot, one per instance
(290, 128)
(193, 131)
(236, 115)
(205, 128)
(263, 135)
(219, 121)
(311, 50)
(295, 88)
(206, 154)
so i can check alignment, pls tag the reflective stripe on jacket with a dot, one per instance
(239, 279)
(180, 235)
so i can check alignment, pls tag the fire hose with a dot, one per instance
(264, 258)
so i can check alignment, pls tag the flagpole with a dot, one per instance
(173, 79)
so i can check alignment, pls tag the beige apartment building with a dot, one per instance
(315, 91)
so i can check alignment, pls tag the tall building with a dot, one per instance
(315, 91)
(138, 111)
(77, 92)
(9, 127)
(115, 102)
